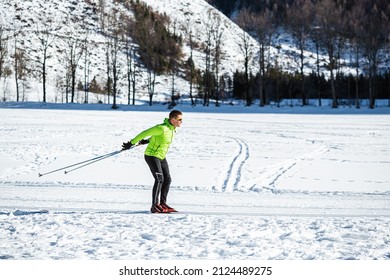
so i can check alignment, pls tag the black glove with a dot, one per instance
(144, 141)
(126, 146)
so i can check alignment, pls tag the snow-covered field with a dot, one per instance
(248, 186)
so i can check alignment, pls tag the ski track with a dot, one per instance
(233, 174)
(269, 180)
(232, 179)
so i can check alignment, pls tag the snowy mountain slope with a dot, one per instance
(196, 16)
(80, 19)
(65, 20)
(71, 20)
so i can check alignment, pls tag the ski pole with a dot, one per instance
(93, 161)
(81, 162)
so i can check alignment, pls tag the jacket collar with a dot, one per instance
(167, 123)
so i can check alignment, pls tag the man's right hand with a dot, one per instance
(126, 146)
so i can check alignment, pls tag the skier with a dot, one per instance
(158, 138)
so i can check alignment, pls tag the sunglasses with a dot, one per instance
(179, 119)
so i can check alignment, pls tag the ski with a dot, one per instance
(167, 212)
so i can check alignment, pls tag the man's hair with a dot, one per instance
(174, 114)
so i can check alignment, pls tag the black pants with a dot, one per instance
(162, 178)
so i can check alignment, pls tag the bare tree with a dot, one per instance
(174, 71)
(115, 36)
(105, 25)
(265, 31)
(87, 63)
(20, 65)
(45, 35)
(108, 69)
(113, 47)
(191, 42)
(300, 17)
(356, 31)
(131, 72)
(74, 51)
(209, 29)
(316, 37)
(218, 54)
(329, 17)
(375, 22)
(151, 80)
(213, 55)
(247, 21)
(173, 65)
(102, 6)
(115, 69)
(152, 61)
(3, 49)
(5, 69)
(130, 61)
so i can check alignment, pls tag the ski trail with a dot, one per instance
(270, 178)
(232, 177)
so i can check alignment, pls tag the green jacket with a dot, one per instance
(161, 137)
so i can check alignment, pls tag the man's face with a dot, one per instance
(176, 122)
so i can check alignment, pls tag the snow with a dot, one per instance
(274, 184)
(65, 19)
(250, 183)
(187, 15)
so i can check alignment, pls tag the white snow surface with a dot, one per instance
(248, 184)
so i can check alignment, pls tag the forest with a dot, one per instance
(356, 29)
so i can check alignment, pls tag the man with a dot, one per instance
(159, 138)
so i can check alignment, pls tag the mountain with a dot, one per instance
(67, 21)
(59, 30)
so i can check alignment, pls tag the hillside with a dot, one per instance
(77, 39)
(82, 20)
